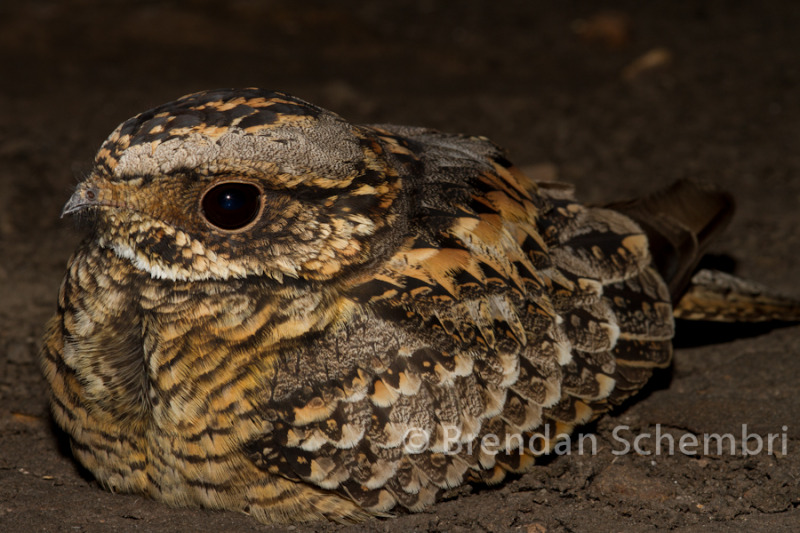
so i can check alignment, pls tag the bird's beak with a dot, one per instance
(88, 194)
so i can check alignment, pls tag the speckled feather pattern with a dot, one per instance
(394, 279)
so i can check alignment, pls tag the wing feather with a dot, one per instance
(507, 309)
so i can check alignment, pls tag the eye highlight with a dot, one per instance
(231, 205)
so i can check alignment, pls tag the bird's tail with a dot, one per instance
(680, 222)
(717, 296)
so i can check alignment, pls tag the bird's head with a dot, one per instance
(235, 183)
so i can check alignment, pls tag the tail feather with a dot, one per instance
(680, 222)
(721, 297)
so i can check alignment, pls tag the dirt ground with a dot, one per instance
(616, 97)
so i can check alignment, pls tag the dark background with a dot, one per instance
(618, 98)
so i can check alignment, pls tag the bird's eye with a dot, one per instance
(231, 205)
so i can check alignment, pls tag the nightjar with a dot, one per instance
(285, 314)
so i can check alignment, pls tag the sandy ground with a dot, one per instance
(618, 103)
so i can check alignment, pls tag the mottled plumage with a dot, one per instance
(272, 304)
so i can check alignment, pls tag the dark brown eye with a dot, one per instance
(231, 205)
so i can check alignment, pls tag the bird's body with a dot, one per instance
(282, 313)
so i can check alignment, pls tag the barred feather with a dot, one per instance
(393, 284)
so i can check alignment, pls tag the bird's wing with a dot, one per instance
(509, 310)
